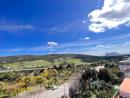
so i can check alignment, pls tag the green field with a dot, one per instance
(39, 63)
(75, 61)
(26, 64)
(70, 61)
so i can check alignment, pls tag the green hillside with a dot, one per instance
(26, 64)
(53, 57)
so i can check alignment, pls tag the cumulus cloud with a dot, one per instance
(112, 14)
(51, 44)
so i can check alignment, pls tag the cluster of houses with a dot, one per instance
(124, 90)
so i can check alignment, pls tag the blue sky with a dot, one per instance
(64, 26)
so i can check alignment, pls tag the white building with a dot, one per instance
(124, 65)
(125, 86)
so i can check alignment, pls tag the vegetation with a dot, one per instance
(53, 57)
(25, 65)
(21, 82)
(95, 84)
(91, 83)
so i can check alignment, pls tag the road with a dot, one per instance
(63, 89)
(57, 93)
(29, 69)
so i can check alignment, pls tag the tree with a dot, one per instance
(100, 86)
(72, 92)
(50, 73)
(12, 76)
(89, 74)
(55, 67)
(50, 76)
(80, 88)
(46, 74)
(85, 94)
(103, 94)
(105, 75)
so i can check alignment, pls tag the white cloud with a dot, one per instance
(12, 50)
(50, 53)
(126, 43)
(112, 14)
(68, 49)
(15, 27)
(84, 21)
(51, 44)
(86, 38)
(52, 50)
(100, 46)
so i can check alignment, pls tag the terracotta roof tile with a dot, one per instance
(125, 86)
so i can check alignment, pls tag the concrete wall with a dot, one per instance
(124, 67)
(122, 93)
(127, 75)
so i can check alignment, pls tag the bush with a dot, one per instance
(5, 96)
(105, 75)
(89, 74)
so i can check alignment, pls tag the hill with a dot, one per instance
(53, 57)
(112, 54)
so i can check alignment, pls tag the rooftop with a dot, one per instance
(125, 86)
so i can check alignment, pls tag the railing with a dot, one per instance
(116, 94)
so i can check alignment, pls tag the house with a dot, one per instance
(127, 73)
(124, 89)
(125, 67)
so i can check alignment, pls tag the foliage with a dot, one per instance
(10, 76)
(103, 94)
(1, 87)
(92, 83)
(38, 80)
(25, 82)
(105, 75)
(26, 64)
(89, 74)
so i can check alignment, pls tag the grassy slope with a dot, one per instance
(75, 61)
(50, 58)
(27, 64)
(71, 60)
(31, 61)
(39, 63)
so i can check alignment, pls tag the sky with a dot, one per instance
(40, 27)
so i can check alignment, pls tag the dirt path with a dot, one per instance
(57, 93)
